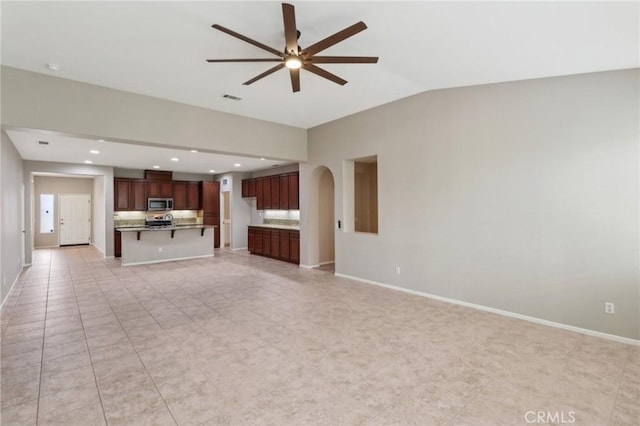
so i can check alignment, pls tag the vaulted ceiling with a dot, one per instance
(159, 48)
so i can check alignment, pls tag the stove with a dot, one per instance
(159, 220)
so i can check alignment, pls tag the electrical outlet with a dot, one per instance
(398, 270)
(609, 308)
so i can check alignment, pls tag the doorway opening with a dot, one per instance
(226, 219)
(326, 218)
(321, 214)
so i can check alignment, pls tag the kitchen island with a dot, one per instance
(146, 244)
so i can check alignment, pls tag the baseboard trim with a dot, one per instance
(99, 249)
(147, 262)
(240, 248)
(13, 286)
(328, 262)
(308, 266)
(586, 331)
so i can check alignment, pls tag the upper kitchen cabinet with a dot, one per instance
(274, 182)
(186, 195)
(129, 194)
(158, 183)
(276, 192)
(159, 189)
(294, 190)
(158, 175)
(283, 182)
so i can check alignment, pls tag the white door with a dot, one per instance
(75, 219)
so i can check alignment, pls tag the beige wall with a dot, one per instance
(38, 101)
(11, 215)
(517, 196)
(55, 186)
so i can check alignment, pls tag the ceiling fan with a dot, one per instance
(294, 57)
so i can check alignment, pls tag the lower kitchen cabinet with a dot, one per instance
(117, 244)
(278, 244)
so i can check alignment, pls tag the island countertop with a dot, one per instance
(162, 228)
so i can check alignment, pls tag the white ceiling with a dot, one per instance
(159, 48)
(68, 149)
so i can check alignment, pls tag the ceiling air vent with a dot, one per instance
(233, 98)
(43, 143)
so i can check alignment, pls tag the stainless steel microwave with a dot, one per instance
(159, 204)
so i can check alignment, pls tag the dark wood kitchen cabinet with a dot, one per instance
(129, 194)
(283, 183)
(294, 189)
(117, 244)
(284, 246)
(186, 195)
(121, 193)
(257, 241)
(294, 247)
(281, 244)
(179, 195)
(252, 238)
(266, 193)
(211, 208)
(159, 189)
(245, 188)
(275, 243)
(276, 192)
(259, 193)
(266, 242)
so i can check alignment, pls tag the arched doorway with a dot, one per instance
(321, 219)
(326, 219)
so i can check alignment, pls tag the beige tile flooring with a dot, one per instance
(239, 339)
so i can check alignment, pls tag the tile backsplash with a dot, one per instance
(123, 219)
(282, 222)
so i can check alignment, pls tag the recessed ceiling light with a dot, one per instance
(88, 161)
(175, 159)
(53, 67)
(212, 171)
(262, 158)
(94, 151)
(194, 150)
(100, 140)
(156, 167)
(237, 164)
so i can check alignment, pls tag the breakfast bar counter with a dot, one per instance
(144, 244)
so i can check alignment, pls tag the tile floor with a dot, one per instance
(240, 339)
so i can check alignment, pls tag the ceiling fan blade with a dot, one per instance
(343, 59)
(264, 74)
(248, 40)
(295, 79)
(246, 60)
(290, 31)
(334, 39)
(323, 73)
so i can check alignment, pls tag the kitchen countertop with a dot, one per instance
(288, 227)
(162, 228)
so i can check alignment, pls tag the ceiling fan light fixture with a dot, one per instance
(293, 62)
